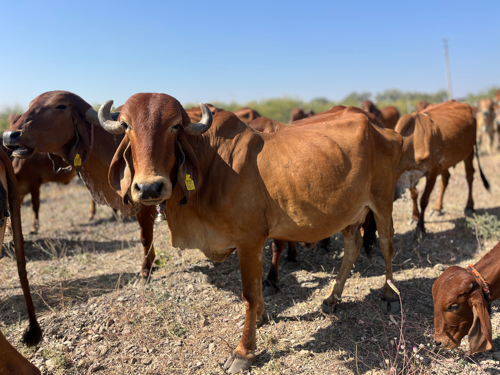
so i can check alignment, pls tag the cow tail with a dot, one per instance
(485, 181)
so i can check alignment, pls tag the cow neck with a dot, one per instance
(489, 269)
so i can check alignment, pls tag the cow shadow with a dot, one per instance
(44, 248)
(60, 294)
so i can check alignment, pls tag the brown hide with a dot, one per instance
(422, 105)
(13, 363)
(247, 115)
(195, 112)
(460, 307)
(299, 114)
(256, 186)
(388, 116)
(57, 123)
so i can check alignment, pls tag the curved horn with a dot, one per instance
(91, 116)
(201, 127)
(106, 119)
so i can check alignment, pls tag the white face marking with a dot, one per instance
(410, 179)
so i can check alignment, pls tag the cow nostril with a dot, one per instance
(137, 187)
(160, 188)
(437, 343)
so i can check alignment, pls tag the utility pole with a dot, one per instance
(447, 63)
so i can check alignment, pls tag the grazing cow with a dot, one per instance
(247, 115)
(485, 118)
(389, 116)
(462, 303)
(299, 114)
(11, 362)
(228, 187)
(434, 141)
(32, 173)
(62, 124)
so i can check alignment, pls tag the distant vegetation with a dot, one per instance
(279, 108)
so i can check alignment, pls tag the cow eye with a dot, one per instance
(175, 127)
(62, 106)
(453, 307)
(125, 125)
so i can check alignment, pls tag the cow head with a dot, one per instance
(155, 152)
(460, 309)
(57, 122)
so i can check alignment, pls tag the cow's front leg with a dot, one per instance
(352, 246)
(146, 219)
(251, 275)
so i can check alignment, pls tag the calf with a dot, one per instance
(462, 303)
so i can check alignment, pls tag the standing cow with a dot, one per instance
(229, 188)
(62, 124)
(434, 141)
(389, 115)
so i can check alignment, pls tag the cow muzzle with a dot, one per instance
(11, 140)
(151, 191)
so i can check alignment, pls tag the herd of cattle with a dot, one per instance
(217, 173)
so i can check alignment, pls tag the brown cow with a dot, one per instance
(247, 115)
(195, 112)
(462, 303)
(11, 362)
(434, 141)
(230, 188)
(32, 173)
(299, 114)
(422, 105)
(485, 118)
(60, 123)
(389, 116)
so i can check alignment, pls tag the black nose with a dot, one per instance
(11, 138)
(437, 343)
(149, 191)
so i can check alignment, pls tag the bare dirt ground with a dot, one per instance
(96, 318)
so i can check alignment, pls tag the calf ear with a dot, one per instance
(121, 171)
(188, 174)
(425, 136)
(480, 334)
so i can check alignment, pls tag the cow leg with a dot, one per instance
(92, 209)
(324, 243)
(35, 205)
(369, 229)
(146, 219)
(414, 197)
(352, 246)
(271, 282)
(469, 175)
(445, 178)
(251, 273)
(291, 255)
(424, 201)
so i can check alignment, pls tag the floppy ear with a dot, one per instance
(480, 334)
(82, 146)
(425, 135)
(121, 170)
(188, 175)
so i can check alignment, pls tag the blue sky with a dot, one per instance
(223, 51)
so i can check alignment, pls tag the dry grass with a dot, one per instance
(96, 318)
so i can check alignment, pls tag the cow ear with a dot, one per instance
(82, 147)
(121, 171)
(480, 334)
(424, 135)
(188, 175)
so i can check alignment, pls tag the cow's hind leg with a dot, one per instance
(445, 178)
(424, 201)
(146, 219)
(291, 255)
(35, 205)
(369, 229)
(251, 274)
(352, 246)
(271, 281)
(469, 175)
(414, 197)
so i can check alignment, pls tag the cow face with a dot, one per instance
(460, 309)
(154, 152)
(54, 123)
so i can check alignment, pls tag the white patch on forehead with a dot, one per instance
(409, 179)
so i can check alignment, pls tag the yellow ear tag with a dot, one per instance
(189, 182)
(78, 160)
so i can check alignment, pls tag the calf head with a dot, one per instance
(460, 309)
(57, 122)
(155, 152)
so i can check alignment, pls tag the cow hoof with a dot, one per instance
(438, 211)
(469, 211)
(269, 291)
(390, 307)
(33, 335)
(235, 363)
(419, 233)
(327, 308)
